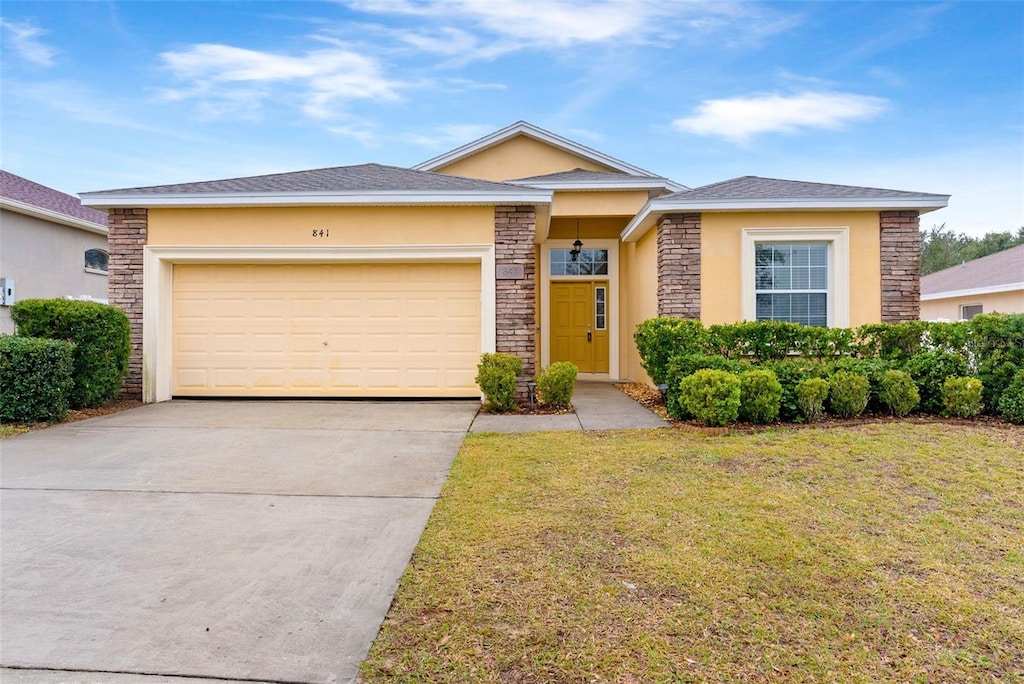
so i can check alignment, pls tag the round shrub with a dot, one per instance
(848, 393)
(1011, 403)
(711, 396)
(685, 365)
(961, 397)
(659, 339)
(760, 396)
(898, 392)
(35, 379)
(102, 339)
(790, 373)
(929, 369)
(497, 377)
(556, 383)
(810, 397)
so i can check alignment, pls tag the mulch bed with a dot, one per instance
(650, 397)
(81, 414)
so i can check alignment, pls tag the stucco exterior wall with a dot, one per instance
(341, 226)
(593, 227)
(639, 299)
(519, 157)
(46, 260)
(949, 308)
(606, 203)
(721, 243)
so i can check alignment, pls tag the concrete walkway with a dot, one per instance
(599, 406)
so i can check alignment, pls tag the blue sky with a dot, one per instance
(914, 96)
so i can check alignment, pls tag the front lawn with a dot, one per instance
(877, 553)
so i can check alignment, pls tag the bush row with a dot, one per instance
(497, 375)
(41, 386)
(906, 366)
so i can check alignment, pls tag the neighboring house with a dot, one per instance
(381, 281)
(50, 246)
(993, 283)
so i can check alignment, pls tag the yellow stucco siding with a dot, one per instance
(519, 157)
(639, 299)
(594, 227)
(721, 249)
(608, 203)
(949, 308)
(294, 226)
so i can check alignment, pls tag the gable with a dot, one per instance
(519, 157)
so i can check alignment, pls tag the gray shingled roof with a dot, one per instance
(1001, 268)
(359, 178)
(22, 190)
(584, 176)
(756, 187)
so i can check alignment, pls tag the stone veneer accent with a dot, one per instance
(126, 236)
(901, 265)
(679, 266)
(516, 300)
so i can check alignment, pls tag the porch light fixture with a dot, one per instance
(575, 251)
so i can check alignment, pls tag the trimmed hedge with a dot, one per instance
(497, 376)
(555, 384)
(1011, 403)
(35, 378)
(760, 396)
(989, 347)
(848, 393)
(102, 339)
(711, 396)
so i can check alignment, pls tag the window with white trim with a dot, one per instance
(600, 308)
(791, 282)
(797, 274)
(96, 260)
(969, 311)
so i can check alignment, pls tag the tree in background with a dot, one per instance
(942, 248)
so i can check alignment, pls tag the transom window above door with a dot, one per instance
(590, 262)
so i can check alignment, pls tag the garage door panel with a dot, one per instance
(390, 330)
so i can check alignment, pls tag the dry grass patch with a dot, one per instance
(876, 553)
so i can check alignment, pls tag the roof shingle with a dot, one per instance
(358, 178)
(1002, 268)
(756, 187)
(18, 189)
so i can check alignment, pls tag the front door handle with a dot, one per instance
(590, 336)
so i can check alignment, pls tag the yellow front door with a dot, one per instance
(579, 324)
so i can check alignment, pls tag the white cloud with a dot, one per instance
(739, 118)
(452, 135)
(547, 24)
(322, 79)
(23, 38)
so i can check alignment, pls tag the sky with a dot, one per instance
(921, 96)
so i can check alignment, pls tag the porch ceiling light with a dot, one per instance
(575, 251)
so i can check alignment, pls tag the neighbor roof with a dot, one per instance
(33, 199)
(999, 272)
(529, 130)
(360, 184)
(753, 193)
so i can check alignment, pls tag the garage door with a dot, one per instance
(326, 330)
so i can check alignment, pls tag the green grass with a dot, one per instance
(881, 553)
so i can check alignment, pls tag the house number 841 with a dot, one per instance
(321, 233)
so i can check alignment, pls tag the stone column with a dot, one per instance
(127, 234)
(516, 299)
(679, 266)
(901, 265)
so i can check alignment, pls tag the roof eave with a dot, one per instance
(662, 205)
(973, 292)
(528, 129)
(52, 216)
(284, 199)
(602, 186)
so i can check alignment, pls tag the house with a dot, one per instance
(50, 246)
(993, 283)
(380, 281)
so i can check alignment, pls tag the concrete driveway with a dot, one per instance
(255, 541)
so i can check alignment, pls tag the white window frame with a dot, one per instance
(838, 240)
(604, 301)
(971, 306)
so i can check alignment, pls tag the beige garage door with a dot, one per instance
(326, 330)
